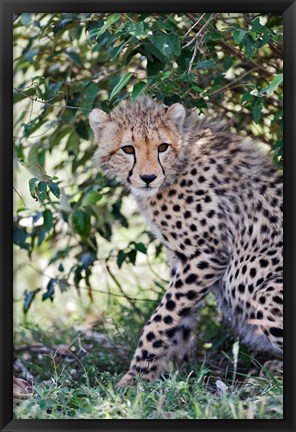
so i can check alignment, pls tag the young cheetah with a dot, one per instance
(215, 203)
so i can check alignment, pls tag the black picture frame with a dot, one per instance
(285, 7)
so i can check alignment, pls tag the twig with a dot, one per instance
(235, 52)
(19, 196)
(94, 290)
(195, 24)
(47, 103)
(213, 16)
(193, 57)
(230, 84)
(131, 301)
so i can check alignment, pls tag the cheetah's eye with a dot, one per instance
(129, 149)
(162, 147)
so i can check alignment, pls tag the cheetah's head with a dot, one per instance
(140, 143)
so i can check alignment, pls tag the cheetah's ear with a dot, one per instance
(176, 113)
(97, 120)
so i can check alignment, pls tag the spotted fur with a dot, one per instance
(215, 202)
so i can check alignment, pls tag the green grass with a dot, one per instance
(178, 397)
(78, 380)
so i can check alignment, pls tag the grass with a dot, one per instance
(178, 397)
(78, 381)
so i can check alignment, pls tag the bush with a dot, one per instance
(67, 214)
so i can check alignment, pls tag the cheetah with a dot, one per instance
(215, 202)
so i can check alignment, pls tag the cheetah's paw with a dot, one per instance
(126, 381)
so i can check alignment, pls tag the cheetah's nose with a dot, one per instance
(148, 178)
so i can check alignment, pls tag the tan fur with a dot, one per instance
(216, 204)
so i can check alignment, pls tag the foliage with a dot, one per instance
(65, 64)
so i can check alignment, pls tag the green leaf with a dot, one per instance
(92, 198)
(19, 237)
(154, 67)
(120, 258)
(122, 82)
(82, 129)
(256, 110)
(26, 19)
(166, 75)
(81, 222)
(29, 56)
(60, 254)
(275, 82)
(41, 236)
(54, 188)
(201, 103)
(249, 50)
(42, 186)
(166, 44)
(246, 97)
(42, 195)
(137, 89)
(47, 219)
(206, 64)
(73, 142)
(257, 27)
(87, 259)
(29, 297)
(197, 89)
(49, 290)
(110, 20)
(132, 255)
(17, 97)
(63, 285)
(32, 187)
(75, 57)
(227, 62)
(238, 36)
(141, 248)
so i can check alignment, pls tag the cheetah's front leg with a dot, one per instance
(171, 322)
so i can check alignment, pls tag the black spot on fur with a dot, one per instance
(277, 332)
(191, 278)
(241, 288)
(157, 343)
(181, 256)
(150, 336)
(184, 312)
(191, 295)
(186, 332)
(179, 283)
(202, 265)
(171, 332)
(170, 305)
(168, 319)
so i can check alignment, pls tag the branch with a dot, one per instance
(234, 51)
(131, 301)
(51, 104)
(19, 196)
(94, 290)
